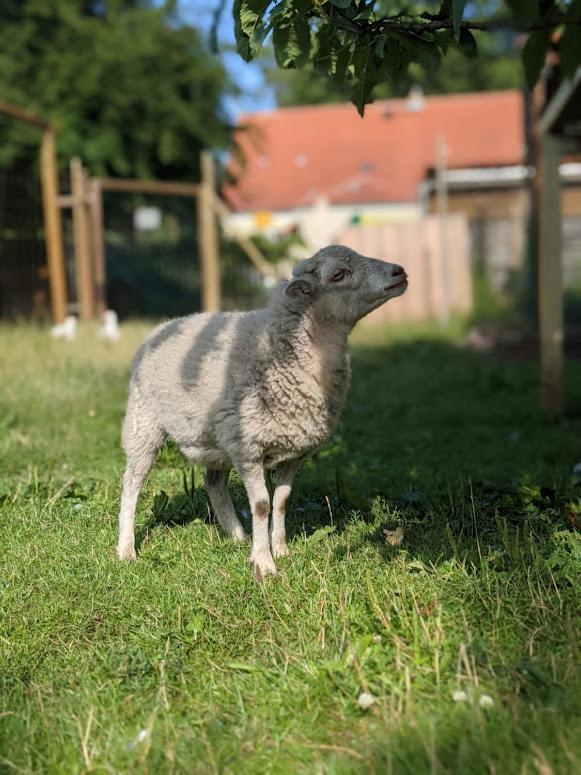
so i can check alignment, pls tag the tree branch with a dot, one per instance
(446, 24)
(403, 24)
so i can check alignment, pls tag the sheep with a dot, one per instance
(251, 391)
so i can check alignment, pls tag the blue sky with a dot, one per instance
(255, 94)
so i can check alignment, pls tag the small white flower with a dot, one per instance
(459, 696)
(141, 736)
(376, 639)
(486, 701)
(78, 506)
(365, 700)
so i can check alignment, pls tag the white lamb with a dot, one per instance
(251, 390)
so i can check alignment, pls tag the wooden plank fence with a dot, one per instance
(439, 271)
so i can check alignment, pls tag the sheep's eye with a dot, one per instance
(338, 275)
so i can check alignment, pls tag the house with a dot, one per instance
(323, 165)
(319, 169)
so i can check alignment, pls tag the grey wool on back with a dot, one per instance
(251, 390)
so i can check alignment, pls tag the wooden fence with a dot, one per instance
(436, 258)
(85, 201)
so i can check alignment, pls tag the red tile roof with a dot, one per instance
(293, 155)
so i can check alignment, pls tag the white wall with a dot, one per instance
(322, 223)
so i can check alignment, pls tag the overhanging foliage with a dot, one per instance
(368, 43)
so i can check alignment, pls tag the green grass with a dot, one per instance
(181, 662)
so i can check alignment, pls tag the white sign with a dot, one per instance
(147, 218)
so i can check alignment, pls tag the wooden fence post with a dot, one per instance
(208, 236)
(98, 243)
(442, 204)
(53, 225)
(248, 246)
(83, 268)
(550, 274)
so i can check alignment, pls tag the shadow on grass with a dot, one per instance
(453, 446)
(447, 443)
(179, 510)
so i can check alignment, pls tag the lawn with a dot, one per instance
(182, 662)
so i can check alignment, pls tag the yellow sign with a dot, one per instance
(262, 219)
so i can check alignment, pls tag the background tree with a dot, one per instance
(367, 45)
(133, 91)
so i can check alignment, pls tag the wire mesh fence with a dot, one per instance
(153, 266)
(24, 289)
(153, 261)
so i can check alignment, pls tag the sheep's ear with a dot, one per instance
(300, 289)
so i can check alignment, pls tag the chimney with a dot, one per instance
(415, 99)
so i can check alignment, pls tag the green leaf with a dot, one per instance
(366, 75)
(341, 3)
(467, 43)
(276, 11)
(415, 49)
(251, 13)
(457, 13)
(248, 25)
(570, 49)
(332, 55)
(534, 53)
(292, 41)
(341, 63)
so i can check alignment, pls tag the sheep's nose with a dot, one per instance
(397, 271)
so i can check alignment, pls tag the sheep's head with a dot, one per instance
(343, 286)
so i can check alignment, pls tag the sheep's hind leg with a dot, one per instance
(141, 440)
(253, 477)
(285, 473)
(217, 488)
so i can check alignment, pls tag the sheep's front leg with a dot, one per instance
(285, 474)
(253, 477)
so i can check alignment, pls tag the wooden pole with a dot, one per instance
(442, 205)
(53, 226)
(208, 236)
(98, 243)
(83, 268)
(550, 274)
(252, 251)
(162, 187)
(14, 111)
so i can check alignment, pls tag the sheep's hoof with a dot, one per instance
(280, 549)
(263, 565)
(126, 553)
